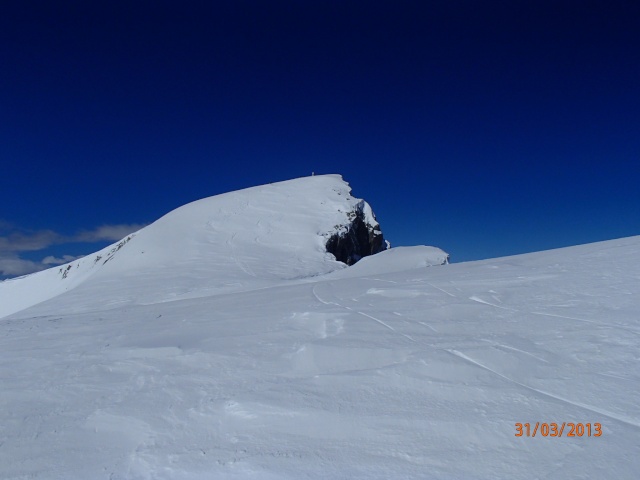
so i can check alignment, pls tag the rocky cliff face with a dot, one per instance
(359, 237)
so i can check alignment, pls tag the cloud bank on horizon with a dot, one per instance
(17, 243)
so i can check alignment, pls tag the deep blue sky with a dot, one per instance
(485, 128)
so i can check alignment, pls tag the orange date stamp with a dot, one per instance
(567, 429)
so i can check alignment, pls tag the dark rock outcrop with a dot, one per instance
(358, 238)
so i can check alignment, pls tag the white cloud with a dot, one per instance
(107, 233)
(33, 241)
(28, 241)
(13, 266)
(14, 241)
(51, 260)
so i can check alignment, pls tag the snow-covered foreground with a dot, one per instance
(366, 372)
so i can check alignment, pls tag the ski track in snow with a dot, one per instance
(325, 302)
(500, 345)
(441, 289)
(594, 409)
(480, 300)
(604, 325)
(620, 418)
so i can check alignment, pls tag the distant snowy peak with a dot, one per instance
(234, 241)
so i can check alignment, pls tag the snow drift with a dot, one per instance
(235, 241)
(224, 342)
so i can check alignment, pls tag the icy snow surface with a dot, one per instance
(222, 353)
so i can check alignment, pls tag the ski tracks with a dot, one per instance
(364, 314)
(593, 409)
(633, 422)
(441, 289)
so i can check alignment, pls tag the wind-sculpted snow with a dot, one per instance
(232, 242)
(420, 373)
(395, 260)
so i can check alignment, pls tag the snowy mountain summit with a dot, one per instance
(224, 342)
(231, 242)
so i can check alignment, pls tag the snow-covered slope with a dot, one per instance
(236, 241)
(424, 372)
(394, 260)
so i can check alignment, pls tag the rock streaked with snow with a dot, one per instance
(359, 237)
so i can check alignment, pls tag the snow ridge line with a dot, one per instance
(441, 289)
(614, 416)
(609, 325)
